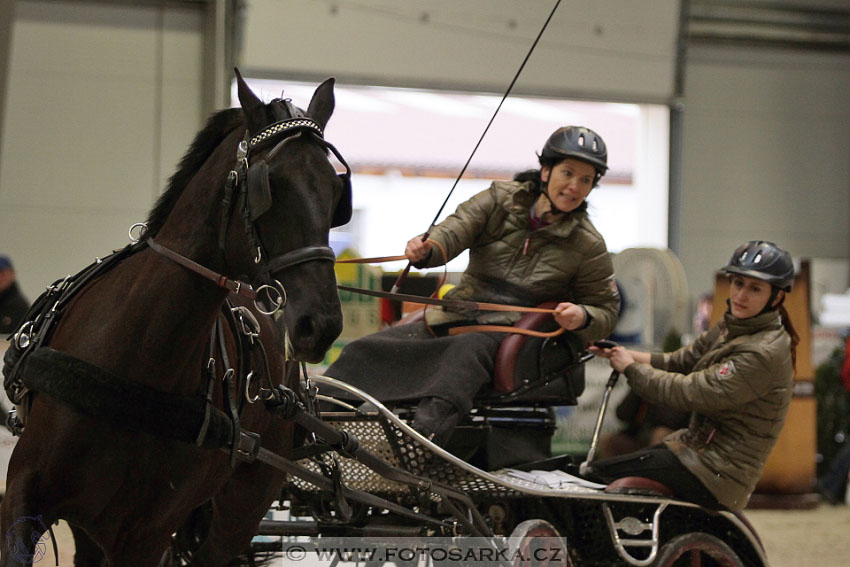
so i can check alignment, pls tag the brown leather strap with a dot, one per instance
(456, 303)
(234, 286)
(376, 260)
(453, 303)
(504, 329)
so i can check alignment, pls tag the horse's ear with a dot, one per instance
(251, 105)
(322, 105)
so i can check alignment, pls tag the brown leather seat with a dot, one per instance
(538, 370)
(639, 485)
(504, 373)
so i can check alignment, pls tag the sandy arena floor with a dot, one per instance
(805, 538)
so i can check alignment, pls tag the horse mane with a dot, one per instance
(217, 128)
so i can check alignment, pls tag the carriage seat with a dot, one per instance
(535, 370)
(639, 485)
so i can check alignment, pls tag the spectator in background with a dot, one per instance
(834, 485)
(702, 316)
(13, 304)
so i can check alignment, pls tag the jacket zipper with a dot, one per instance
(522, 249)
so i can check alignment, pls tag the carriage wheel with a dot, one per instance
(696, 549)
(536, 543)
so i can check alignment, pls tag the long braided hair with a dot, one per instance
(789, 328)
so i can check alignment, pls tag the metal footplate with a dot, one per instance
(632, 527)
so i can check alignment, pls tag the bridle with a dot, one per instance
(248, 185)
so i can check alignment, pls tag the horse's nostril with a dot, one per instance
(305, 327)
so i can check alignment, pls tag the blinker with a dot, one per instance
(259, 190)
(259, 198)
(342, 213)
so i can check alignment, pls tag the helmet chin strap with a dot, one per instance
(544, 188)
(769, 306)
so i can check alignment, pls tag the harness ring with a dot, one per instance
(22, 338)
(278, 302)
(142, 228)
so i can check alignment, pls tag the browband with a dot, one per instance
(284, 126)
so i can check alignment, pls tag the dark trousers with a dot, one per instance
(660, 464)
(408, 363)
(834, 483)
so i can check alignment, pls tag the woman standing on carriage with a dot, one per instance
(530, 241)
(736, 378)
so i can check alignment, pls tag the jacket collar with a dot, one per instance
(521, 202)
(766, 321)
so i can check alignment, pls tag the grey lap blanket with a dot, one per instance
(408, 363)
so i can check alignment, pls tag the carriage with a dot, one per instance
(165, 417)
(371, 488)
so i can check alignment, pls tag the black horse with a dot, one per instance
(254, 199)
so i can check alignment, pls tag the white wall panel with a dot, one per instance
(615, 50)
(765, 156)
(102, 102)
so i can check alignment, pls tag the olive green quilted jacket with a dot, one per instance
(737, 378)
(509, 263)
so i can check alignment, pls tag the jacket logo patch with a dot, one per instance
(726, 369)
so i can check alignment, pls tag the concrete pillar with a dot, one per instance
(7, 19)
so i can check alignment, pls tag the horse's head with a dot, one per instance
(292, 198)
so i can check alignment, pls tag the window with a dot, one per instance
(406, 147)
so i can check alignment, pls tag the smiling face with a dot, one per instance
(748, 296)
(569, 183)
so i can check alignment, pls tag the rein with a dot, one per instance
(375, 260)
(463, 304)
(292, 258)
(455, 303)
(233, 286)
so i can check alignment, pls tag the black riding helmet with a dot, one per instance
(764, 261)
(579, 143)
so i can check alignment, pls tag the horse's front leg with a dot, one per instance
(242, 502)
(23, 518)
(86, 552)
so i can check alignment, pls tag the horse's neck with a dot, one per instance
(192, 226)
(181, 302)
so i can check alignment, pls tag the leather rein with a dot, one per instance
(452, 303)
